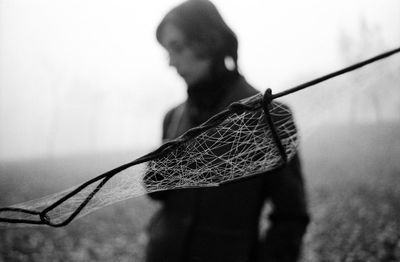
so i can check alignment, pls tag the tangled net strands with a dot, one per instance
(251, 137)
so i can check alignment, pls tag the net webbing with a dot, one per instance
(252, 136)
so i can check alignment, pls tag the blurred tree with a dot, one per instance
(380, 96)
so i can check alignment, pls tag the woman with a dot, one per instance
(219, 224)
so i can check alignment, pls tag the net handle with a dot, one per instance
(213, 121)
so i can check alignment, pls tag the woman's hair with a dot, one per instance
(204, 30)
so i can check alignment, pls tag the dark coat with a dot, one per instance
(222, 224)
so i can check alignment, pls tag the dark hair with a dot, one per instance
(204, 29)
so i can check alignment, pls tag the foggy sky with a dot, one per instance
(89, 76)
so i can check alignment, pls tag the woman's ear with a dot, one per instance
(229, 63)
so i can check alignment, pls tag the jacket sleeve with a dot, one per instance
(289, 217)
(161, 195)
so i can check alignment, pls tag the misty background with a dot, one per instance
(84, 86)
(88, 77)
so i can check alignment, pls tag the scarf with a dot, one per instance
(204, 97)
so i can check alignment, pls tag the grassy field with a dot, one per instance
(353, 177)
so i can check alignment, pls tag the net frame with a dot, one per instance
(254, 103)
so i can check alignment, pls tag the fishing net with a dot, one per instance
(239, 142)
(251, 137)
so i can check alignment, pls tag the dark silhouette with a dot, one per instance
(219, 224)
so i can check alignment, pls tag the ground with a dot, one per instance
(353, 178)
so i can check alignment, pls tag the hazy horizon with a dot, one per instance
(88, 76)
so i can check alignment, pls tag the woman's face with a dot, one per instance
(187, 63)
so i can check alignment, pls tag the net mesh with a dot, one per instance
(240, 146)
(237, 143)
